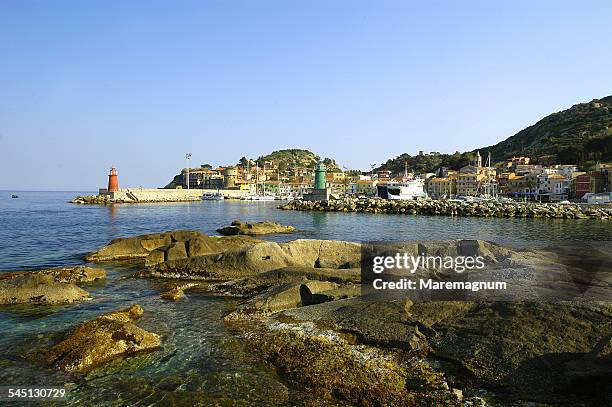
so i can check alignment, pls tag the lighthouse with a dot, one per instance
(319, 192)
(113, 182)
(320, 171)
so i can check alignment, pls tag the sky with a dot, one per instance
(86, 85)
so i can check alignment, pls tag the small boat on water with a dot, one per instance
(212, 196)
(256, 197)
(14, 196)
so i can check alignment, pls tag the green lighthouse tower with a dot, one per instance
(320, 171)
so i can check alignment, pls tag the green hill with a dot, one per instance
(579, 135)
(285, 159)
(296, 158)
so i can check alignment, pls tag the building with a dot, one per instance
(591, 182)
(513, 162)
(383, 175)
(441, 187)
(205, 178)
(364, 187)
(297, 189)
(503, 180)
(552, 187)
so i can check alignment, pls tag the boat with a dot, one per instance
(407, 190)
(14, 196)
(212, 196)
(257, 197)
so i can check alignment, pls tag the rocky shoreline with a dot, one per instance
(303, 310)
(456, 208)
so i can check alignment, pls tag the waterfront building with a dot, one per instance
(338, 188)
(552, 187)
(503, 181)
(591, 182)
(439, 187)
(230, 176)
(203, 178)
(298, 189)
(467, 183)
(366, 187)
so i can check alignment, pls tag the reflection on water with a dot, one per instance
(201, 360)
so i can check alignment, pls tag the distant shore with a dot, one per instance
(457, 208)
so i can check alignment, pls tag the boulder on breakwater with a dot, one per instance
(456, 208)
(100, 340)
(48, 286)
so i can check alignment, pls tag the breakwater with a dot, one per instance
(456, 208)
(136, 195)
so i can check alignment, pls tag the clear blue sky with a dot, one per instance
(89, 84)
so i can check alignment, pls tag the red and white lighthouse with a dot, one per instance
(113, 182)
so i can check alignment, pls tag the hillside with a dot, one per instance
(296, 158)
(581, 135)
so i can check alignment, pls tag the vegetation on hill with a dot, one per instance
(427, 163)
(285, 159)
(296, 158)
(576, 135)
(579, 135)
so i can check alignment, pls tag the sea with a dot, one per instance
(202, 360)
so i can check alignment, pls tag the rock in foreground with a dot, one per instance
(50, 286)
(100, 340)
(155, 248)
(259, 228)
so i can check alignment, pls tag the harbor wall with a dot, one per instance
(133, 195)
(169, 195)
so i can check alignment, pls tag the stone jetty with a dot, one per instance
(456, 208)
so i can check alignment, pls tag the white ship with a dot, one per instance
(407, 190)
(258, 197)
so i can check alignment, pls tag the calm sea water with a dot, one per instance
(202, 359)
(41, 229)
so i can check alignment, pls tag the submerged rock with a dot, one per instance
(177, 292)
(100, 340)
(48, 286)
(238, 227)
